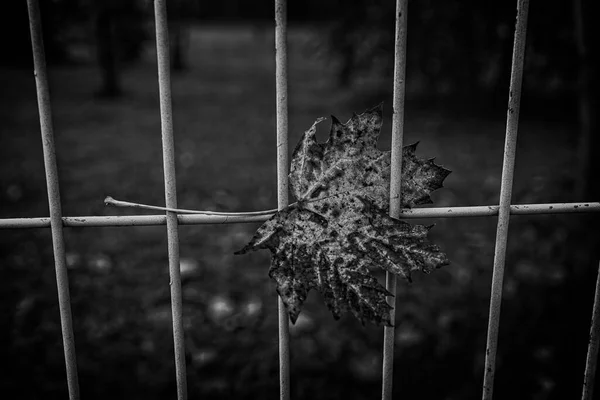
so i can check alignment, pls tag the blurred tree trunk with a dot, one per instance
(179, 32)
(583, 242)
(589, 145)
(107, 53)
(582, 245)
(178, 12)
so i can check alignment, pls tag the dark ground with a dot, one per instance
(224, 117)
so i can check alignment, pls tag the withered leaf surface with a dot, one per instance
(339, 228)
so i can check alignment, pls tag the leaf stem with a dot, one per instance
(109, 201)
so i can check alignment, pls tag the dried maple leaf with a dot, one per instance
(339, 228)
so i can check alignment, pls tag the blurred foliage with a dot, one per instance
(68, 24)
(458, 49)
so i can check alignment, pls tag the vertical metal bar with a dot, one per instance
(510, 146)
(592, 354)
(281, 88)
(56, 225)
(166, 118)
(395, 183)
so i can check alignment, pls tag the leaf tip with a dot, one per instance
(319, 120)
(377, 109)
(410, 149)
(312, 131)
(445, 172)
(244, 249)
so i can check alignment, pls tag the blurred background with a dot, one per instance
(103, 81)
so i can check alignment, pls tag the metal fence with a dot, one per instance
(504, 210)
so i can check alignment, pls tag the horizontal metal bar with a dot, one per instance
(415, 213)
(486, 211)
(126, 220)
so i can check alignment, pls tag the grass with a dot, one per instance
(224, 118)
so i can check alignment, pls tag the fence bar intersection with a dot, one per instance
(281, 94)
(395, 185)
(508, 166)
(168, 147)
(56, 224)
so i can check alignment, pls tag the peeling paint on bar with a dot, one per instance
(486, 211)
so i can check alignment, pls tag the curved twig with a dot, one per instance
(109, 201)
